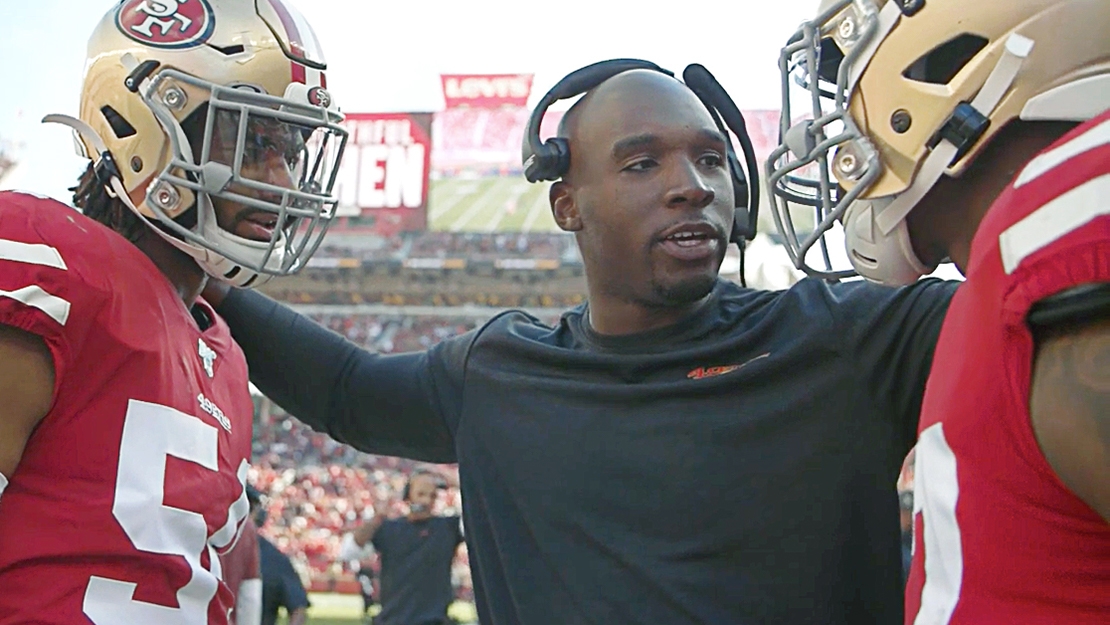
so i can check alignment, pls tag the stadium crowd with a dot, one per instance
(318, 489)
(496, 300)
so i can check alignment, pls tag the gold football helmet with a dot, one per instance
(247, 77)
(897, 93)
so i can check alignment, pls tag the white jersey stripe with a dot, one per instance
(1093, 138)
(31, 253)
(3, 483)
(1054, 220)
(33, 296)
(936, 493)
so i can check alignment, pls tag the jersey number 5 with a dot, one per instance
(151, 433)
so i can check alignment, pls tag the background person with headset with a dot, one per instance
(416, 552)
(679, 449)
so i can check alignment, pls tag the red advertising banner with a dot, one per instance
(383, 178)
(487, 141)
(486, 90)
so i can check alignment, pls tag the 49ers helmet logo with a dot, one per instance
(166, 23)
(317, 96)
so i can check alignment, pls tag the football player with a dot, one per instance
(125, 421)
(980, 133)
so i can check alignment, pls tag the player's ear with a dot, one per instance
(564, 208)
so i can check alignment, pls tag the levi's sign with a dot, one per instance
(486, 90)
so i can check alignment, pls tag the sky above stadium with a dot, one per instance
(387, 55)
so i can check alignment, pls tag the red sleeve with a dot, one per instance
(44, 286)
(1061, 239)
(241, 562)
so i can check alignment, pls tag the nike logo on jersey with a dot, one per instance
(208, 406)
(710, 372)
(207, 357)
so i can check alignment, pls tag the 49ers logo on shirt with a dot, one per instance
(166, 23)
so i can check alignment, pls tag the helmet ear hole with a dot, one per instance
(941, 64)
(831, 56)
(120, 126)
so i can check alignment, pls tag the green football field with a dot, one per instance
(337, 609)
(495, 204)
(512, 204)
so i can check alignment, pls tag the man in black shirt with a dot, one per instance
(416, 553)
(281, 586)
(679, 449)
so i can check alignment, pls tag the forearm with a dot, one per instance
(365, 532)
(298, 616)
(378, 404)
(294, 361)
(355, 542)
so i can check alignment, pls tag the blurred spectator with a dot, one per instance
(416, 553)
(905, 505)
(281, 586)
(318, 489)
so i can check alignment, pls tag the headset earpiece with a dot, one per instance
(549, 160)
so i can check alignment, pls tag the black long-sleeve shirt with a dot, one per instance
(737, 467)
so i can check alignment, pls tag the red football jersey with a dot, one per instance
(998, 537)
(133, 482)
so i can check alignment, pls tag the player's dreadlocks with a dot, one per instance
(91, 196)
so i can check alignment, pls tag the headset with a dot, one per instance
(550, 160)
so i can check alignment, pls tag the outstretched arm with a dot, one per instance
(1070, 408)
(396, 405)
(354, 542)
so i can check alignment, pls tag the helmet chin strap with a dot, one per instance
(876, 235)
(213, 264)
